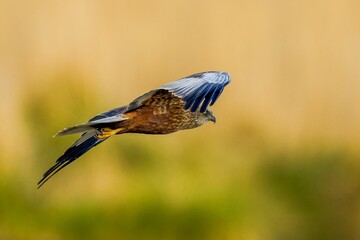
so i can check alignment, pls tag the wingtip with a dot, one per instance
(38, 186)
(216, 76)
(61, 133)
(41, 182)
(226, 77)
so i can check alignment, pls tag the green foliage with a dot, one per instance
(319, 187)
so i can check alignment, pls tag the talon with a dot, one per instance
(107, 132)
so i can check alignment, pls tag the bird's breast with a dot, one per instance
(161, 120)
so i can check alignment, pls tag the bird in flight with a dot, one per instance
(179, 105)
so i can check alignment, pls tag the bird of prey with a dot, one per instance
(179, 105)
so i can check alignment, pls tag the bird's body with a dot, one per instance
(160, 108)
(175, 106)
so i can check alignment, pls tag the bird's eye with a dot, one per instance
(205, 112)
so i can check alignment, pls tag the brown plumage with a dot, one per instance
(162, 108)
(175, 106)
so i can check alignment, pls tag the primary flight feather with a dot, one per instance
(179, 105)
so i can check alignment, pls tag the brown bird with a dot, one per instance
(179, 105)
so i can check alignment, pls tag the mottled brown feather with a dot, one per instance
(160, 114)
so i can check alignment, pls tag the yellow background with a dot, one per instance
(282, 161)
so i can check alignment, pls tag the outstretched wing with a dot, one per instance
(88, 140)
(114, 115)
(200, 89)
(197, 90)
(109, 116)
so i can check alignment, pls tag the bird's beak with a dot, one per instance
(213, 119)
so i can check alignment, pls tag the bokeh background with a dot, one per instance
(282, 161)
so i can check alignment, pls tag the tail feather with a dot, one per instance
(87, 141)
(96, 122)
(74, 129)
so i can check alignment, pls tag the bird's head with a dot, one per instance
(209, 116)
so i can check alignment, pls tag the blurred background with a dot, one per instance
(282, 161)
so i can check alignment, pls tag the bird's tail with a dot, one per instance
(76, 129)
(88, 140)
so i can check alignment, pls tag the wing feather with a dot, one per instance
(137, 102)
(199, 90)
(216, 94)
(114, 115)
(193, 98)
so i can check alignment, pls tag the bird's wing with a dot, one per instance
(139, 101)
(114, 115)
(201, 89)
(88, 140)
